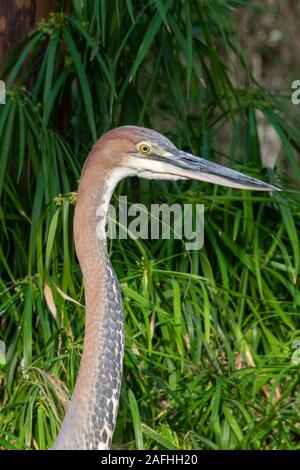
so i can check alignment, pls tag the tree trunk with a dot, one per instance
(17, 17)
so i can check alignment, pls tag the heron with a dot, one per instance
(125, 151)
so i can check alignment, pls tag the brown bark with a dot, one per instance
(18, 17)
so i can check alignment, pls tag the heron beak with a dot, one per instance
(187, 166)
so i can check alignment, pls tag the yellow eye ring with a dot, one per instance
(144, 148)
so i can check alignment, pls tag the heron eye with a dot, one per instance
(144, 148)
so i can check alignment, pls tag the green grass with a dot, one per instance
(209, 334)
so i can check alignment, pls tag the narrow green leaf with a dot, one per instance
(27, 327)
(136, 420)
(83, 81)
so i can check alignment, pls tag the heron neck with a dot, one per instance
(90, 420)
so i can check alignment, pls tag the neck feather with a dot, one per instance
(90, 419)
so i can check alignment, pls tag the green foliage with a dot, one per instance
(209, 334)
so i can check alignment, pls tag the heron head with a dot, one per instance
(150, 155)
